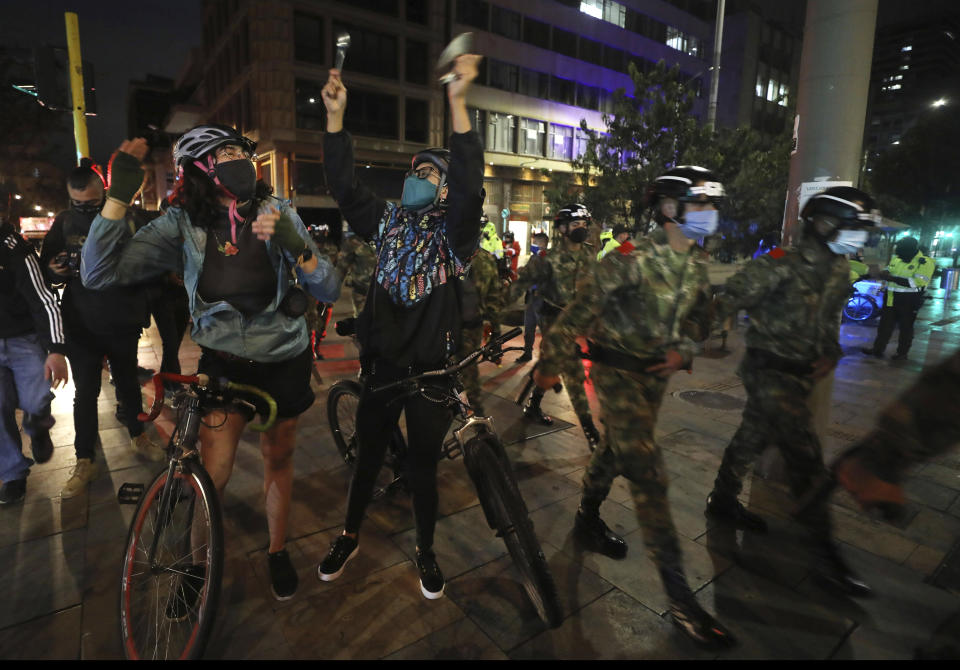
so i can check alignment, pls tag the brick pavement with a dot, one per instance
(59, 560)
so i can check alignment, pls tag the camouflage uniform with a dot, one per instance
(356, 263)
(921, 423)
(793, 299)
(558, 276)
(485, 276)
(639, 302)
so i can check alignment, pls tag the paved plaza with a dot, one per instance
(60, 559)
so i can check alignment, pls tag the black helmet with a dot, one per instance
(572, 212)
(686, 183)
(508, 237)
(201, 140)
(484, 219)
(850, 207)
(437, 156)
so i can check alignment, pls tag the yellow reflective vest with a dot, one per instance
(918, 271)
(607, 248)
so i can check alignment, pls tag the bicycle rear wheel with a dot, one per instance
(501, 499)
(168, 606)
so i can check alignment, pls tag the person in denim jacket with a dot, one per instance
(235, 246)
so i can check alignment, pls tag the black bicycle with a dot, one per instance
(486, 461)
(173, 557)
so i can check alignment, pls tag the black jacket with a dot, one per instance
(27, 305)
(115, 310)
(424, 334)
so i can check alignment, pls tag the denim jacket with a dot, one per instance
(112, 256)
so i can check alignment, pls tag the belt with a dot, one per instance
(618, 359)
(233, 358)
(771, 361)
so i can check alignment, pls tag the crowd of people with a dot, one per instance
(426, 274)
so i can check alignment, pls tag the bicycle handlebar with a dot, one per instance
(211, 384)
(490, 351)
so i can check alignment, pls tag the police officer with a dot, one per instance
(482, 301)
(557, 276)
(794, 299)
(618, 236)
(643, 307)
(907, 276)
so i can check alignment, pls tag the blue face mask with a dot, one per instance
(848, 241)
(534, 249)
(417, 193)
(699, 224)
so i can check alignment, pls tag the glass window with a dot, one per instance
(591, 51)
(418, 11)
(311, 114)
(536, 33)
(592, 8)
(562, 90)
(418, 62)
(501, 132)
(474, 13)
(370, 52)
(533, 135)
(391, 7)
(615, 59)
(564, 42)
(535, 84)
(478, 121)
(615, 13)
(560, 144)
(503, 75)
(373, 114)
(580, 143)
(505, 22)
(588, 97)
(308, 38)
(417, 121)
(308, 176)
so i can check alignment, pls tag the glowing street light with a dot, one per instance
(939, 103)
(17, 196)
(49, 213)
(37, 207)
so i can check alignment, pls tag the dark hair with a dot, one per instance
(540, 234)
(196, 193)
(82, 176)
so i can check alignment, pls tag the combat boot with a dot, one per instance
(687, 615)
(533, 412)
(591, 433)
(834, 573)
(725, 508)
(596, 536)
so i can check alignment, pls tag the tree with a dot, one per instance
(646, 134)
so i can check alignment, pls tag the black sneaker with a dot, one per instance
(871, 352)
(596, 536)
(534, 413)
(13, 491)
(183, 604)
(727, 509)
(524, 357)
(699, 626)
(283, 576)
(41, 447)
(431, 579)
(341, 551)
(833, 573)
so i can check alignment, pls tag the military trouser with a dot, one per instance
(921, 423)
(572, 374)
(629, 403)
(470, 339)
(776, 413)
(359, 298)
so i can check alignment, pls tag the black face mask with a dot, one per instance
(239, 177)
(86, 210)
(577, 235)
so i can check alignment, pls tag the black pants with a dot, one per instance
(427, 425)
(170, 309)
(86, 354)
(901, 314)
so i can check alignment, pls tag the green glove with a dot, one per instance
(285, 234)
(125, 176)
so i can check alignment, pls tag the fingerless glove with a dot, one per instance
(124, 176)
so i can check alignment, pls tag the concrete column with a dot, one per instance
(832, 98)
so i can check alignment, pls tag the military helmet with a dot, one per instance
(686, 183)
(850, 207)
(201, 140)
(572, 212)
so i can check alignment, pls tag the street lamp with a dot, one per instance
(939, 103)
(17, 196)
(37, 207)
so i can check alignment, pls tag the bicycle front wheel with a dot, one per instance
(500, 496)
(172, 567)
(342, 402)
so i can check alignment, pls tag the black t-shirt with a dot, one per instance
(240, 273)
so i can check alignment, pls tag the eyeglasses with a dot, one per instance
(231, 152)
(424, 172)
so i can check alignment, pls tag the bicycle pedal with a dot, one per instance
(129, 493)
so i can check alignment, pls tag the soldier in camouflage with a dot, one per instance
(482, 301)
(356, 263)
(642, 310)
(794, 299)
(557, 276)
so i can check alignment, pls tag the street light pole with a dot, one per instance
(76, 86)
(715, 80)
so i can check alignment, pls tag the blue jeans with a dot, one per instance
(21, 385)
(531, 317)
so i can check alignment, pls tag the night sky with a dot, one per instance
(123, 39)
